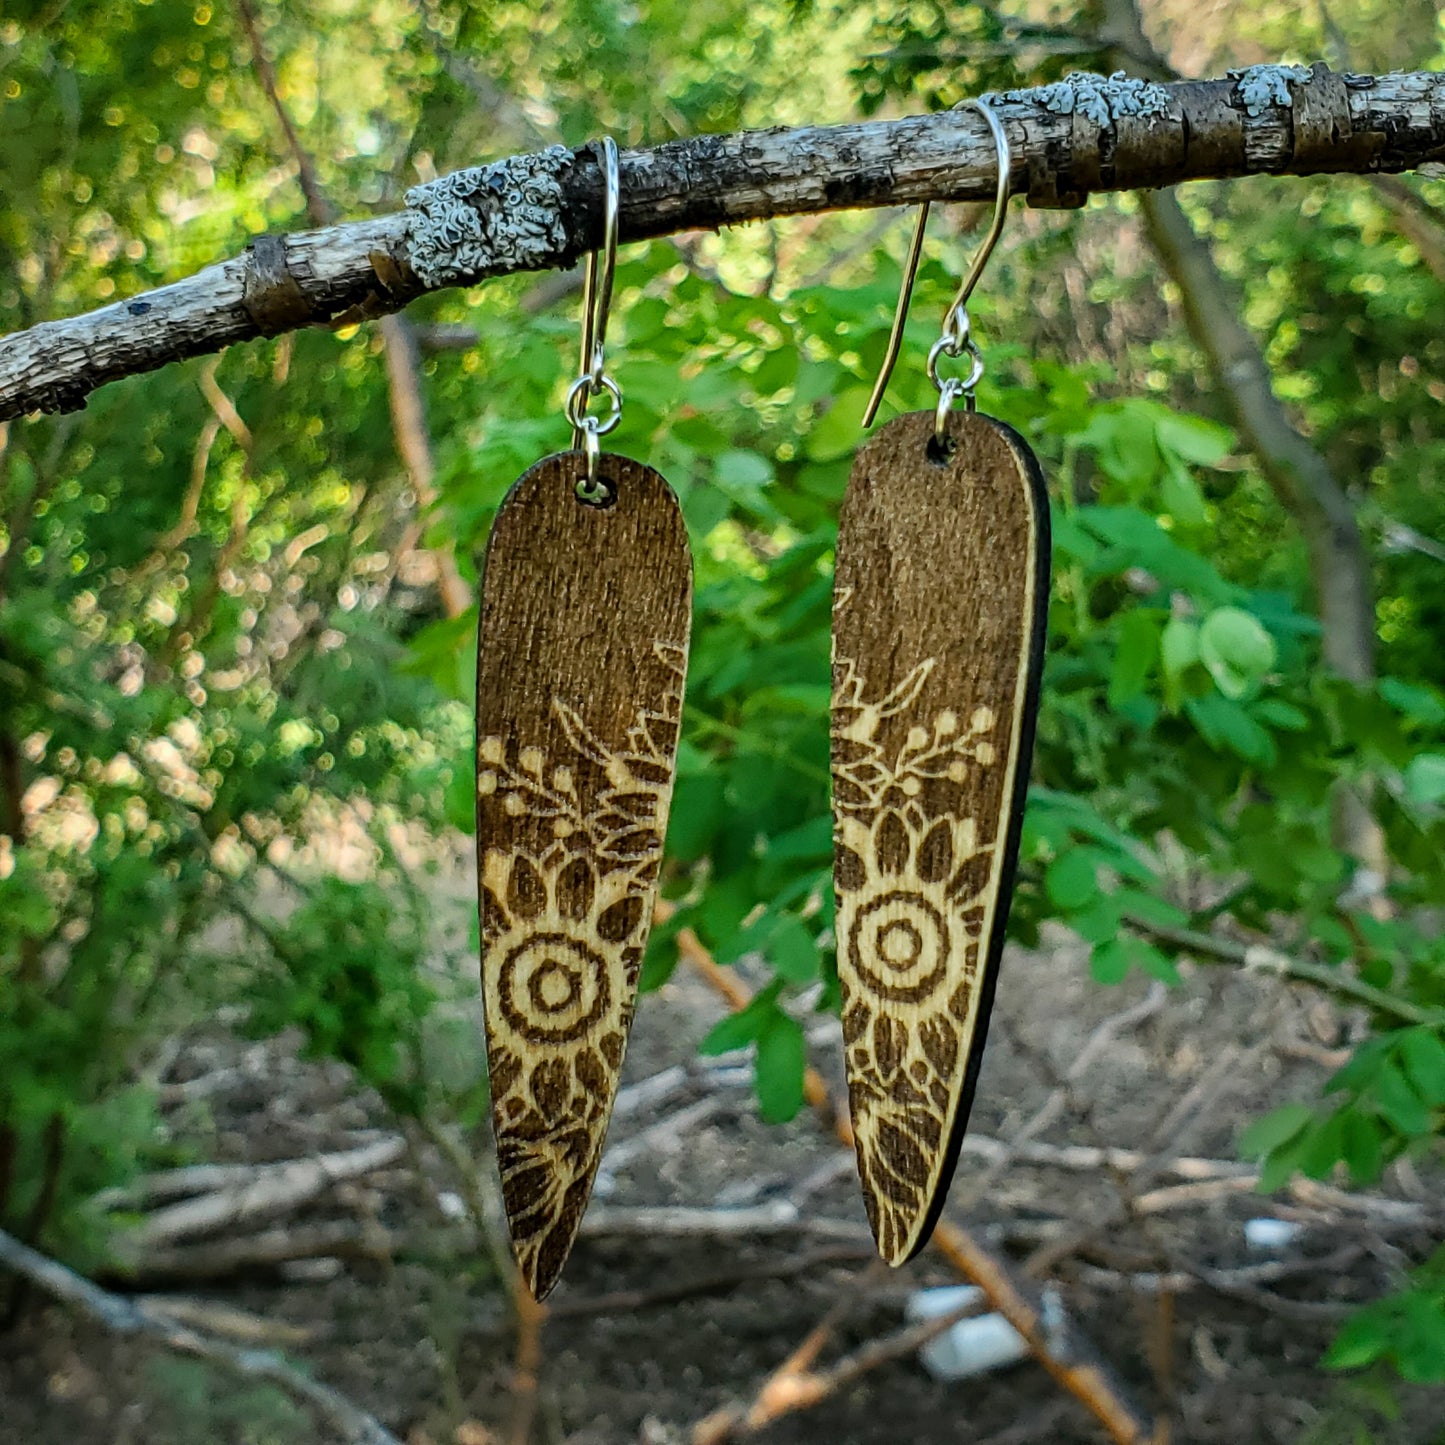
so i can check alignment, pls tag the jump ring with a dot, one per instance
(580, 394)
(949, 390)
(944, 347)
(591, 488)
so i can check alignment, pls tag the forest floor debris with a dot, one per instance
(673, 1325)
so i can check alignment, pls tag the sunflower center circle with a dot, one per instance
(897, 945)
(553, 988)
(899, 942)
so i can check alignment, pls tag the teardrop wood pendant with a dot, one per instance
(581, 660)
(939, 608)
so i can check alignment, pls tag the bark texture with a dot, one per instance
(542, 211)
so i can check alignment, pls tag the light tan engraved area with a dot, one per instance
(564, 924)
(582, 639)
(940, 579)
(912, 884)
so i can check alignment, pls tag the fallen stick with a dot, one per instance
(126, 1317)
(193, 1179)
(211, 1259)
(222, 1258)
(1306, 1193)
(631, 1300)
(1091, 1157)
(678, 1078)
(269, 1190)
(796, 1386)
(227, 1321)
(660, 1135)
(1073, 1365)
(1186, 1276)
(1093, 1048)
(683, 1221)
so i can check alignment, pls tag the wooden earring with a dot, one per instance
(582, 653)
(939, 610)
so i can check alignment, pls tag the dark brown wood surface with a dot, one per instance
(581, 659)
(940, 596)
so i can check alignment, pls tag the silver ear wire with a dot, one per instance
(593, 379)
(956, 339)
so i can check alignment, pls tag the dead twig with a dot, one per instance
(220, 1319)
(1071, 1363)
(796, 1386)
(268, 1190)
(1093, 1048)
(126, 1317)
(661, 1135)
(629, 1301)
(781, 1216)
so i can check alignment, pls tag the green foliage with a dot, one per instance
(1406, 1329)
(197, 1405)
(354, 984)
(214, 655)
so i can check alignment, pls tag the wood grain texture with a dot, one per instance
(939, 604)
(581, 659)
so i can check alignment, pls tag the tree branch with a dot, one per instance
(1072, 1362)
(1260, 958)
(124, 1317)
(540, 212)
(403, 366)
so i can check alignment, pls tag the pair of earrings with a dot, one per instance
(940, 596)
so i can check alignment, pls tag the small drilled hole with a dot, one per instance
(602, 498)
(940, 452)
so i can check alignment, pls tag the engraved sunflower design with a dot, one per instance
(563, 946)
(571, 837)
(912, 877)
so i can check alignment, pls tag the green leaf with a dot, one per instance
(1110, 961)
(1099, 922)
(792, 951)
(782, 1058)
(1420, 704)
(1225, 724)
(1275, 1129)
(1154, 961)
(1360, 1342)
(1362, 1146)
(461, 800)
(1236, 649)
(1399, 1103)
(1180, 497)
(743, 469)
(1178, 646)
(1136, 650)
(1072, 879)
(1149, 908)
(1194, 439)
(744, 1027)
(1422, 1054)
(809, 842)
(1425, 778)
(837, 432)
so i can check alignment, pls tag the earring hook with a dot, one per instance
(596, 304)
(601, 266)
(955, 340)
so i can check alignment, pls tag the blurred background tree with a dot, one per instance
(235, 595)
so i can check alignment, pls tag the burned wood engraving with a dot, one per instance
(940, 597)
(582, 653)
